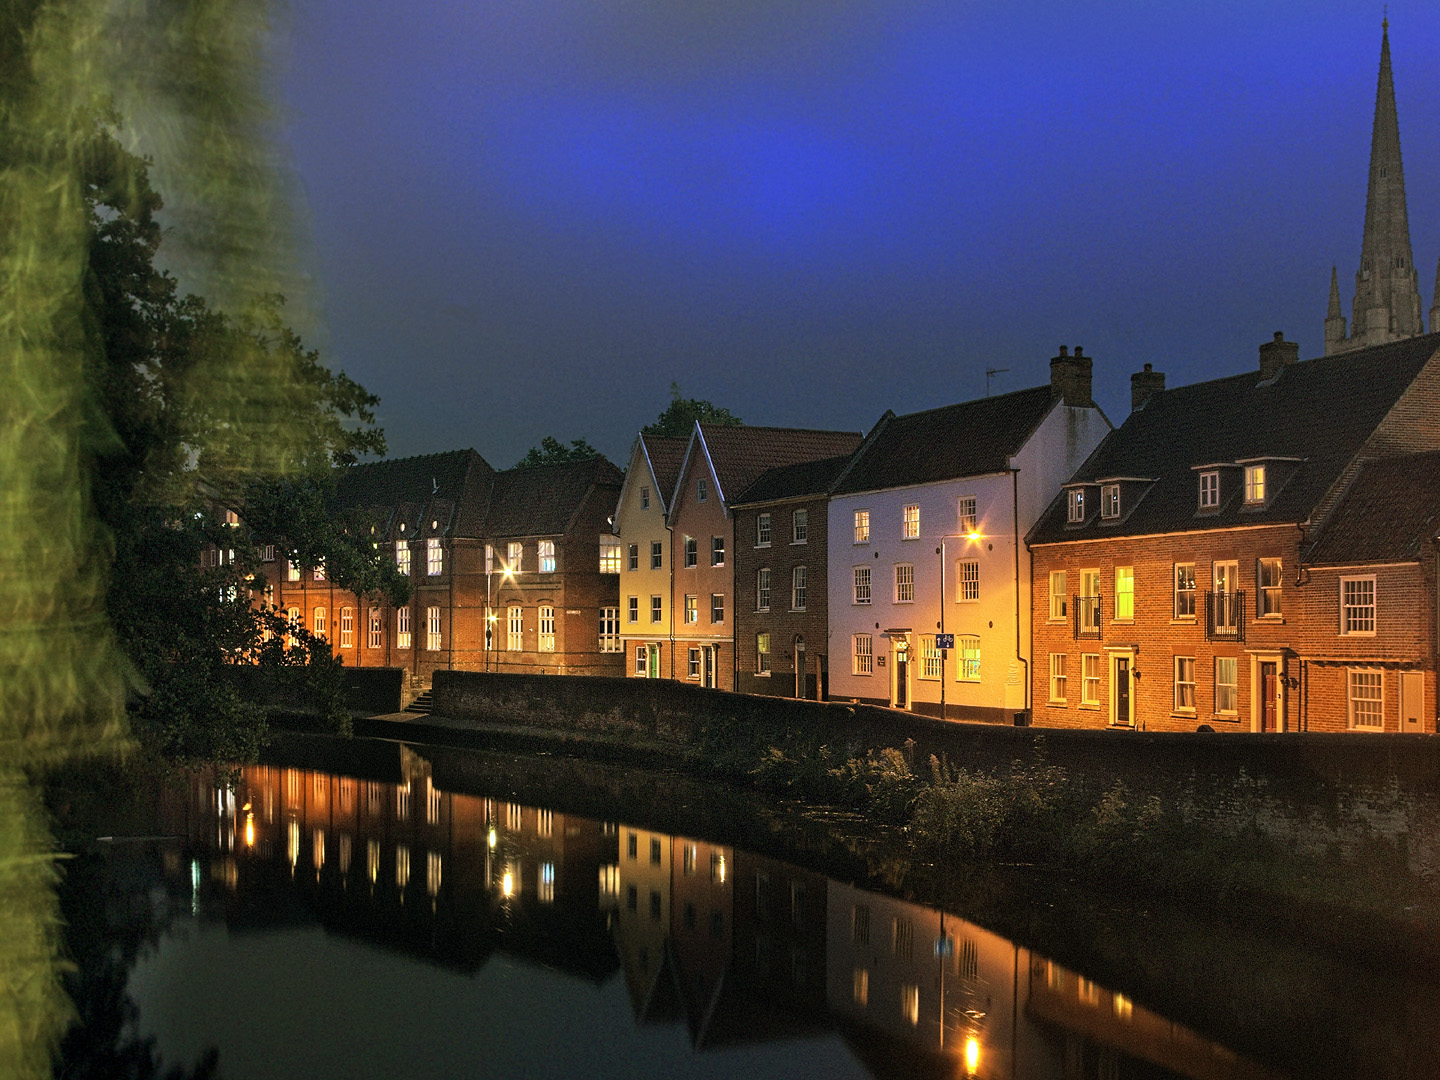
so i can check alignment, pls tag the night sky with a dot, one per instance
(529, 217)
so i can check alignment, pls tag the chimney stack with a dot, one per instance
(1070, 378)
(1145, 384)
(1275, 354)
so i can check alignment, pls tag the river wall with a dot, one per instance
(1343, 794)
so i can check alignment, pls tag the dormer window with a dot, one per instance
(1110, 501)
(1210, 490)
(1254, 484)
(1075, 504)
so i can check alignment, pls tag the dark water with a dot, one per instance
(373, 910)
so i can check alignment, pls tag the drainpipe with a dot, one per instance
(1015, 509)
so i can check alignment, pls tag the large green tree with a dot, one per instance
(552, 451)
(681, 415)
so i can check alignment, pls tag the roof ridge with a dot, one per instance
(764, 427)
(414, 457)
(976, 401)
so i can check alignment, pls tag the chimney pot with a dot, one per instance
(1070, 377)
(1064, 351)
(1078, 351)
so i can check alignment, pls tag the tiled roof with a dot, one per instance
(540, 500)
(741, 454)
(794, 481)
(969, 439)
(456, 479)
(666, 455)
(1390, 514)
(1320, 411)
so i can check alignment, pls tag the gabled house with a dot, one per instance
(720, 463)
(1217, 561)
(642, 540)
(925, 528)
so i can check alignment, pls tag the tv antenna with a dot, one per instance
(989, 373)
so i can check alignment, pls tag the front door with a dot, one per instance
(1269, 692)
(800, 673)
(707, 666)
(1124, 710)
(653, 660)
(1412, 701)
(902, 676)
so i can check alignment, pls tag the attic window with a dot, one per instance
(1254, 484)
(1110, 501)
(1075, 504)
(1209, 490)
(644, 498)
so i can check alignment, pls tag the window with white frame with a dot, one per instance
(545, 550)
(609, 557)
(609, 630)
(347, 628)
(1124, 593)
(701, 489)
(1075, 505)
(489, 558)
(267, 554)
(1089, 599)
(862, 654)
(717, 551)
(402, 628)
(1184, 684)
(432, 629)
(1267, 581)
(319, 622)
(1254, 483)
(1110, 501)
(434, 557)
(632, 609)
(693, 663)
(1058, 676)
(762, 530)
(319, 571)
(1089, 678)
(374, 632)
(904, 583)
(657, 609)
(292, 569)
(1209, 490)
(644, 498)
(762, 653)
(967, 647)
(910, 523)
(1365, 694)
(292, 616)
(862, 526)
(547, 629)
(967, 521)
(1227, 684)
(515, 629)
(1184, 590)
(514, 556)
(692, 608)
(641, 658)
(657, 555)
(1357, 605)
(931, 666)
(762, 589)
(692, 552)
(800, 527)
(402, 556)
(717, 607)
(1059, 597)
(797, 589)
(967, 581)
(632, 557)
(861, 594)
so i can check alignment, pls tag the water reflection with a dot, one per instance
(735, 949)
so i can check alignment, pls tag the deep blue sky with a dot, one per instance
(530, 216)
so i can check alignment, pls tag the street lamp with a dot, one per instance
(972, 536)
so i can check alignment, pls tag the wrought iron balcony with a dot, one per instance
(1087, 618)
(1225, 616)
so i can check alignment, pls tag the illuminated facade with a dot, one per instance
(645, 556)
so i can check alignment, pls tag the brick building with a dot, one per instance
(1193, 572)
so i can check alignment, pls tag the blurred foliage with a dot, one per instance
(552, 451)
(682, 414)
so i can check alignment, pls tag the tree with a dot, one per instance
(552, 451)
(680, 416)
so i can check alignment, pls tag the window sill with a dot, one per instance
(766, 544)
(1358, 633)
(1122, 622)
(1271, 620)
(1057, 704)
(1184, 714)
(798, 543)
(1090, 706)
(797, 611)
(1184, 620)
(762, 674)
(1226, 718)
(967, 682)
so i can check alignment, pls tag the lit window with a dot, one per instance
(632, 557)
(863, 655)
(402, 556)
(319, 622)
(1268, 575)
(717, 607)
(1059, 598)
(762, 530)
(434, 557)
(644, 498)
(546, 551)
(717, 551)
(968, 652)
(862, 526)
(1110, 501)
(657, 609)
(1075, 505)
(910, 523)
(799, 526)
(1254, 483)
(1184, 684)
(402, 865)
(762, 589)
(1184, 590)
(373, 633)
(1089, 678)
(762, 654)
(432, 629)
(514, 556)
(1124, 592)
(1366, 695)
(860, 987)
(515, 629)
(910, 1002)
(640, 660)
(692, 552)
(609, 630)
(292, 569)
(1089, 599)
(610, 557)
(862, 585)
(347, 628)
(632, 609)
(700, 489)
(967, 581)
(547, 629)
(693, 661)
(931, 666)
(966, 518)
(319, 572)
(1227, 690)
(1058, 663)
(657, 555)
(797, 589)
(434, 871)
(1209, 490)
(545, 893)
(402, 628)
(904, 583)
(692, 608)
(1357, 605)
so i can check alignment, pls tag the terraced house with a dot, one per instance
(642, 554)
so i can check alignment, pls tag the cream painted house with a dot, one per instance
(645, 563)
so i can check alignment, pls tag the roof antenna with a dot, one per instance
(989, 371)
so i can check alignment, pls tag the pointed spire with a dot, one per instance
(1435, 304)
(1333, 312)
(1334, 320)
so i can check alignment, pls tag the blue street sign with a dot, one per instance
(944, 641)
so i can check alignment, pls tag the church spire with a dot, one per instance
(1334, 319)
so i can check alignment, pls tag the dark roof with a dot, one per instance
(1320, 411)
(794, 481)
(969, 439)
(741, 454)
(667, 455)
(450, 486)
(541, 500)
(1390, 514)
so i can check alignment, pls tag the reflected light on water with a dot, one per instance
(507, 884)
(490, 837)
(249, 826)
(972, 1055)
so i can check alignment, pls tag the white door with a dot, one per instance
(1412, 701)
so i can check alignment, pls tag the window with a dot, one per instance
(762, 654)
(1089, 599)
(644, 498)
(904, 583)
(910, 523)
(1124, 593)
(1184, 684)
(700, 489)
(1110, 501)
(1254, 483)
(434, 558)
(319, 622)
(292, 568)
(1267, 580)
(863, 655)
(1059, 598)
(515, 629)
(800, 527)
(610, 557)
(641, 656)
(1075, 505)
(860, 924)
(292, 616)
(910, 1002)
(1357, 605)
(862, 585)
(489, 558)
(717, 551)
(862, 526)
(402, 557)
(319, 569)
(1209, 490)
(632, 609)
(1227, 690)
(347, 628)
(797, 589)
(967, 581)
(657, 609)
(1089, 678)
(372, 638)
(717, 607)
(657, 554)
(692, 556)
(931, 666)
(762, 589)
(1184, 590)
(693, 669)
(547, 629)
(432, 629)
(968, 660)
(692, 609)
(402, 628)
(545, 890)
(633, 557)
(609, 629)
(966, 518)
(1366, 695)
(514, 554)
(1058, 676)
(545, 549)
(267, 554)
(860, 987)
(762, 530)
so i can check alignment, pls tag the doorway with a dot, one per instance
(1269, 695)
(901, 697)
(652, 654)
(801, 675)
(1122, 711)
(1412, 701)
(707, 666)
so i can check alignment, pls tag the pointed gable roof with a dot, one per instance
(739, 455)
(666, 455)
(541, 500)
(1390, 514)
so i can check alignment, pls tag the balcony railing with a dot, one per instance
(1225, 616)
(1087, 620)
